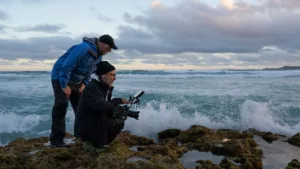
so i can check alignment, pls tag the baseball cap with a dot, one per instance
(107, 39)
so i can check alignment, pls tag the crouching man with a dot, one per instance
(97, 114)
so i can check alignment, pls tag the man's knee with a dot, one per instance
(118, 124)
(60, 109)
(61, 104)
(114, 128)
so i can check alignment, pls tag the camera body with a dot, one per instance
(133, 100)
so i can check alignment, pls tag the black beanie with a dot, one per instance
(104, 67)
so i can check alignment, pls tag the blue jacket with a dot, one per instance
(77, 63)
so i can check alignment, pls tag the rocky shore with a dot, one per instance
(197, 147)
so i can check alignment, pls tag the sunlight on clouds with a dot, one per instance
(156, 4)
(224, 55)
(23, 64)
(142, 66)
(270, 48)
(229, 4)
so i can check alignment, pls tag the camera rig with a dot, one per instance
(133, 100)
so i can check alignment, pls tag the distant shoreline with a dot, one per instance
(269, 69)
(264, 69)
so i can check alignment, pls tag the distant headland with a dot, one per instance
(269, 69)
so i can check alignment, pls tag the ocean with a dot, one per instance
(264, 100)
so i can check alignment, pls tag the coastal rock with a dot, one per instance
(227, 164)
(267, 136)
(36, 154)
(231, 134)
(224, 164)
(207, 164)
(270, 137)
(238, 149)
(169, 133)
(193, 133)
(168, 148)
(295, 140)
(294, 164)
(234, 144)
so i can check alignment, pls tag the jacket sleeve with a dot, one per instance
(73, 59)
(96, 101)
(117, 101)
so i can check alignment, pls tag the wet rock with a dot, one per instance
(18, 154)
(295, 140)
(230, 148)
(229, 143)
(155, 162)
(194, 132)
(8, 160)
(270, 137)
(227, 164)
(207, 142)
(207, 164)
(294, 164)
(169, 133)
(250, 142)
(231, 134)
(173, 143)
(169, 150)
(251, 163)
(170, 141)
(267, 136)
(131, 140)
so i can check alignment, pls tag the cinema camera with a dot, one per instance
(126, 107)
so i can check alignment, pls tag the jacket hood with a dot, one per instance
(94, 47)
(90, 40)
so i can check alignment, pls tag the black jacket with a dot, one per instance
(95, 109)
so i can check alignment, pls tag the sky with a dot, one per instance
(153, 34)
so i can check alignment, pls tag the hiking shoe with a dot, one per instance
(89, 147)
(57, 143)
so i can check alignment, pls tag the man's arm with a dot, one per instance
(96, 100)
(74, 58)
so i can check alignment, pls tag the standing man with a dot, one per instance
(69, 76)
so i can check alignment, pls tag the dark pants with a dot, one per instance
(59, 110)
(114, 127)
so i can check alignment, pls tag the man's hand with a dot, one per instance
(81, 88)
(124, 101)
(67, 91)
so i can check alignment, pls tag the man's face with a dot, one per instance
(109, 77)
(104, 48)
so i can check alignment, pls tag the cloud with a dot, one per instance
(30, 2)
(268, 55)
(47, 28)
(103, 18)
(187, 33)
(3, 16)
(50, 48)
(5, 62)
(2, 27)
(35, 48)
(231, 27)
(44, 48)
(282, 4)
